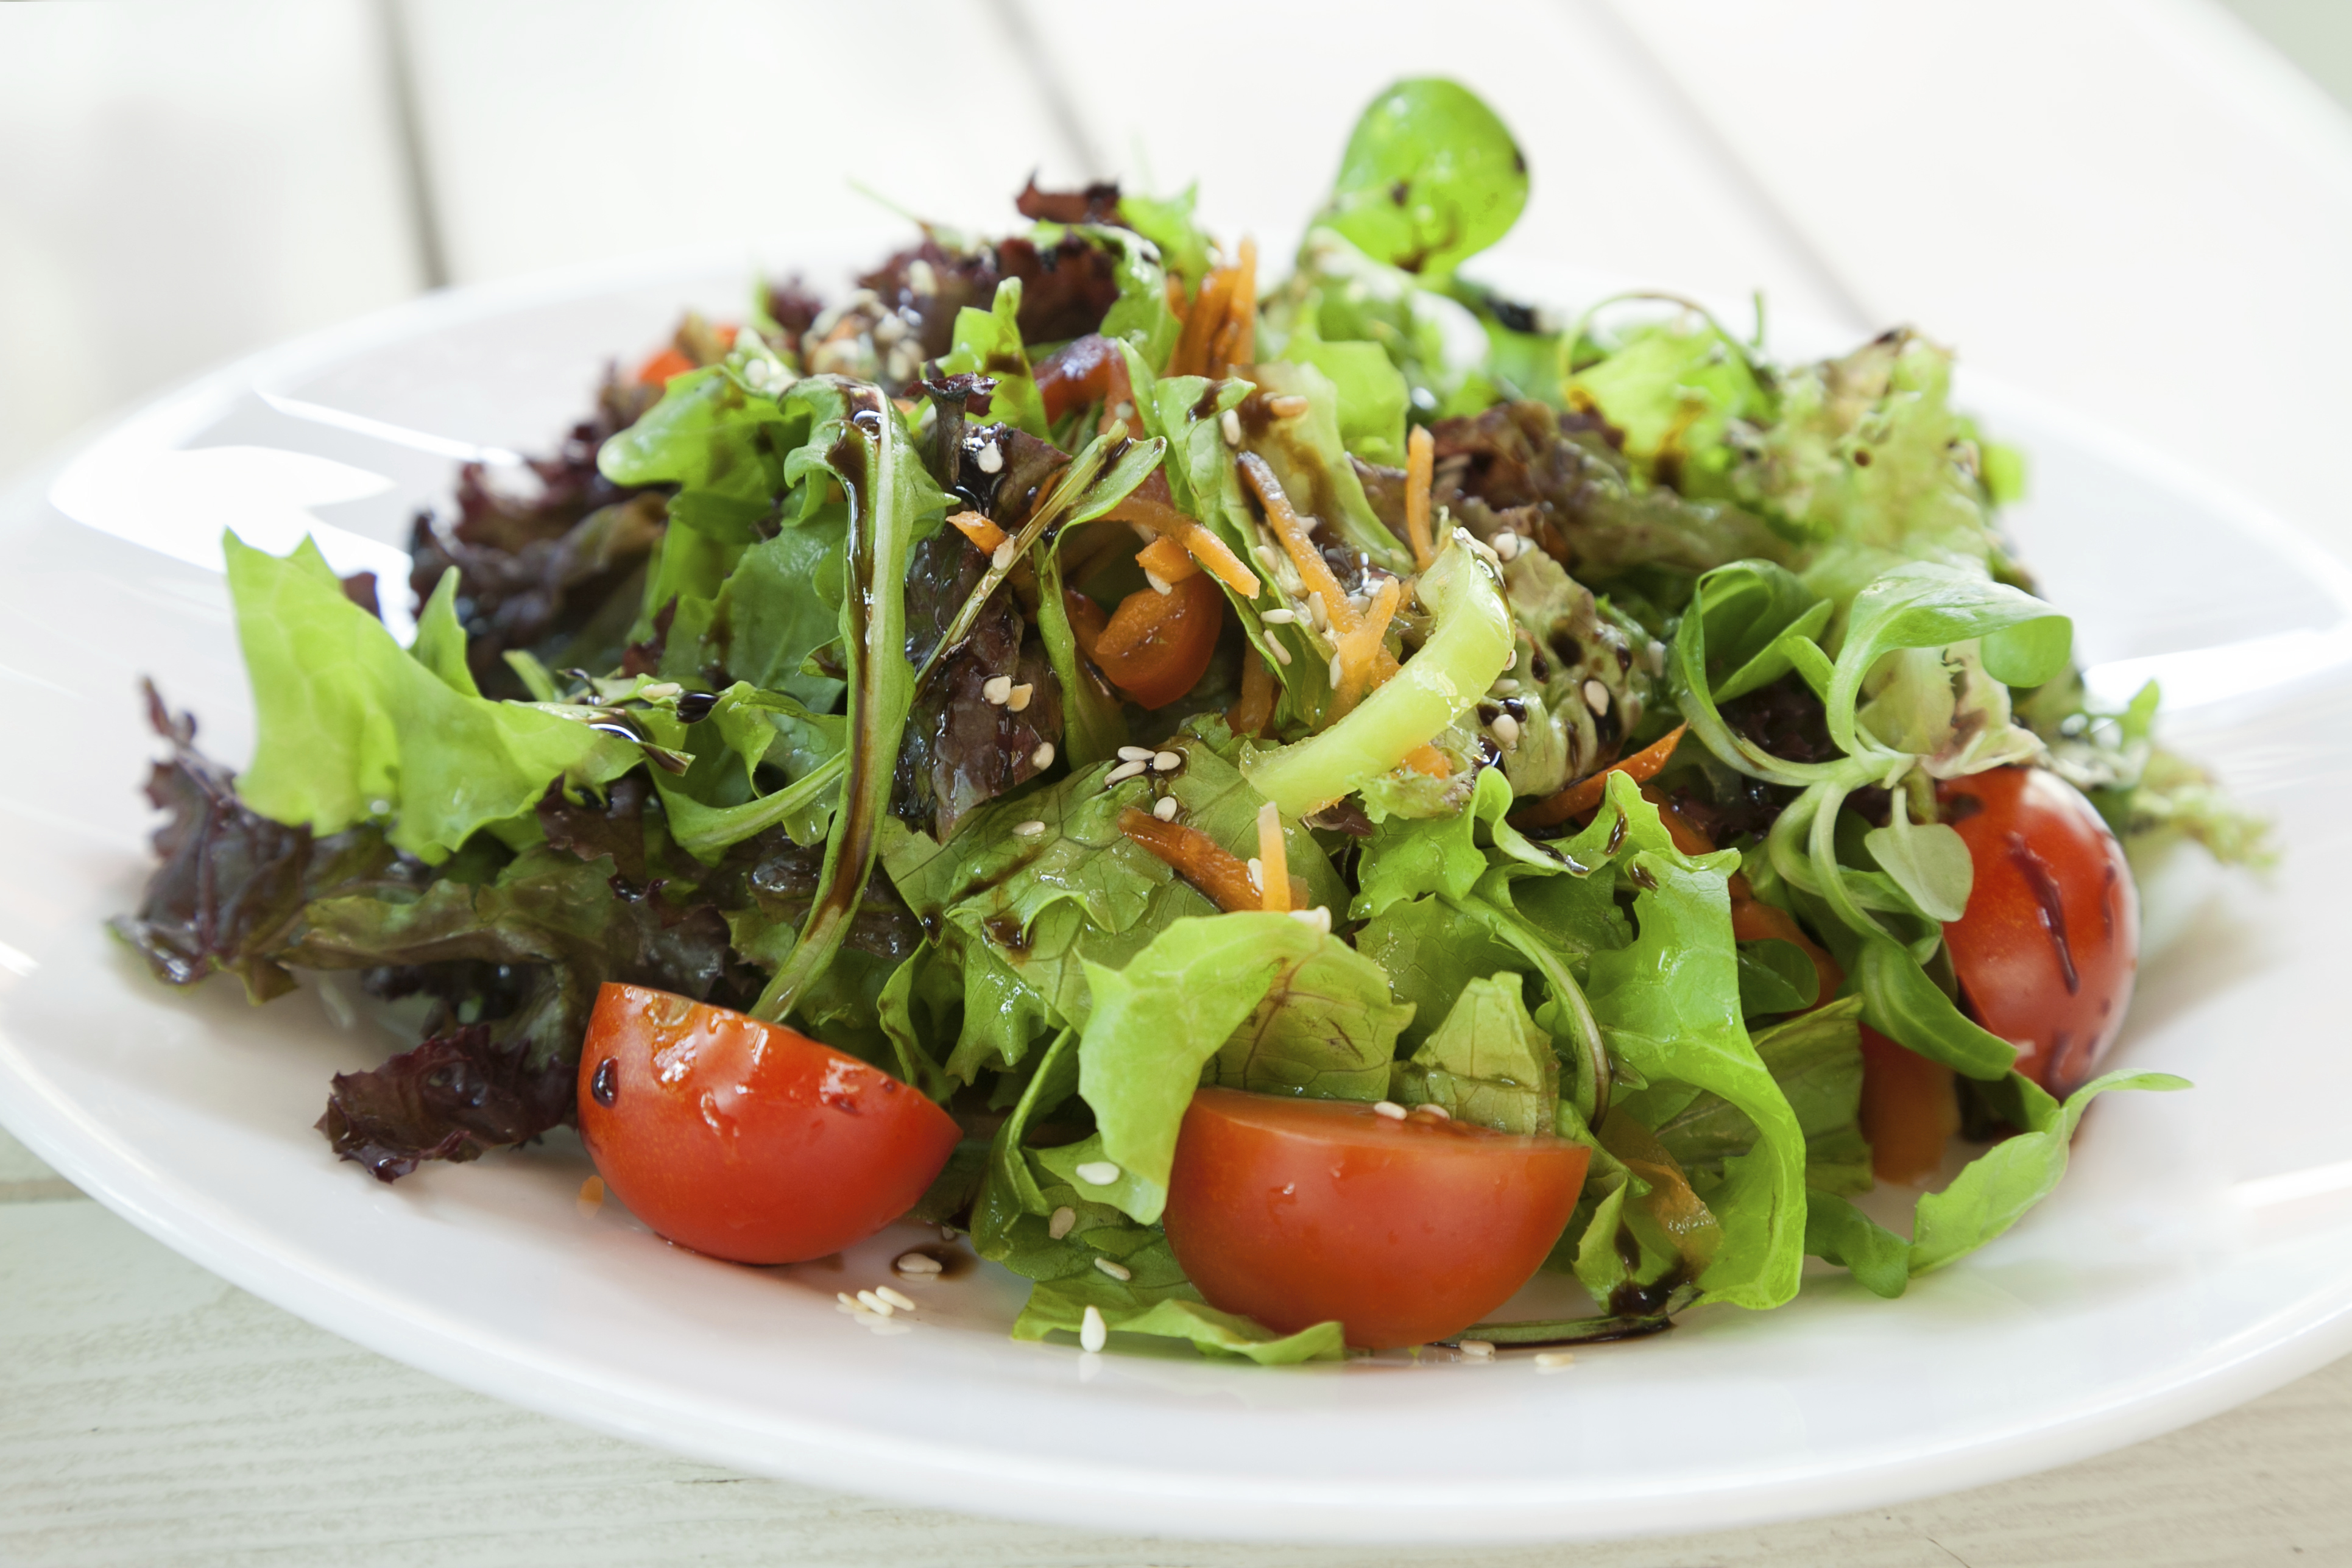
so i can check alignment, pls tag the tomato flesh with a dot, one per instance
(1295, 1212)
(1157, 645)
(745, 1140)
(2047, 950)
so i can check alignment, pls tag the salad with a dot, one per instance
(1277, 809)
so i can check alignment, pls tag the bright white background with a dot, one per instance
(2140, 207)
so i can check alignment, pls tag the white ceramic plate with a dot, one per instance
(2200, 1254)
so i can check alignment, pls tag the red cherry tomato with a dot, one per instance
(2047, 949)
(1157, 645)
(1300, 1211)
(1908, 1109)
(658, 371)
(744, 1140)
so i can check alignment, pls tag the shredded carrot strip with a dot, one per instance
(1427, 759)
(1272, 860)
(1293, 534)
(1197, 342)
(1155, 509)
(1254, 710)
(1585, 794)
(1168, 560)
(984, 535)
(1360, 646)
(1420, 460)
(1222, 877)
(1236, 341)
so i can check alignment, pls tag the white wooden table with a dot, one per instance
(2129, 204)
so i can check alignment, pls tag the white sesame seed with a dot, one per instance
(1093, 1332)
(659, 689)
(1167, 762)
(1339, 670)
(1431, 1108)
(1257, 873)
(1476, 1349)
(1505, 685)
(991, 459)
(1166, 810)
(1159, 585)
(920, 277)
(1506, 731)
(905, 1303)
(1506, 545)
(1286, 407)
(1029, 829)
(1119, 1271)
(1390, 1109)
(1231, 424)
(1552, 1361)
(1319, 919)
(1513, 662)
(1044, 755)
(1281, 653)
(1017, 700)
(890, 330)
(1317, 612)
(1099, 1173)
(1596, 696)
(1135, 753)
(1278, 617)
(1268, 557)
(1657, 653)
(946, 1233)
(876, 1304)
(843, 1298)
(1122, 409)
(1002, 557)
(1064, 1219)
(1124, 772)
(917, 1263)
(997, 690)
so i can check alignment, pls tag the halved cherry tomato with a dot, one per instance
(2048, 948)
(1157, 645)
(1300, 1211)
(745, 1140)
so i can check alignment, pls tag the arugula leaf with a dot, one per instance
(2000, 1184)
(1776, 976)
(348, 729)
(857, 440)
(1837, 1231)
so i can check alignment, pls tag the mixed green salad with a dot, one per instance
(1070, 676)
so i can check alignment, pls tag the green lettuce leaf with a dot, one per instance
(1326, 1029)
(348, 728)
(1160, 1301)
(1431, 176)
(1488, 1063)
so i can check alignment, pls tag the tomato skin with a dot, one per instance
(745, 1140)
(2048, 948)
(1157, 645)
(1300, 1211)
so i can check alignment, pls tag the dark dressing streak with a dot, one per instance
(2043, 883)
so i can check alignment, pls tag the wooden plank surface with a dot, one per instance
(151, 1414)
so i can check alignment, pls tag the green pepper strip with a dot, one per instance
(1469, 647)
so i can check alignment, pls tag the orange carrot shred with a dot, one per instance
(1168, 560)
(1428, 760)
(1586, 794)
(1220, 876)
(1254, 709)
(1420, 459)
(984, 535)
(1273, 861)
